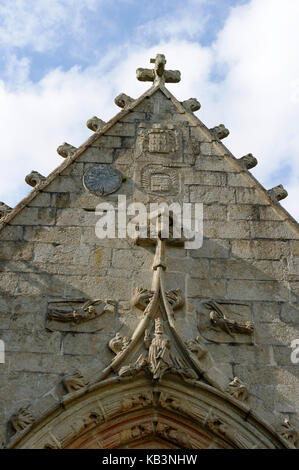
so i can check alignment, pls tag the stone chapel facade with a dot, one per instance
(142, 343)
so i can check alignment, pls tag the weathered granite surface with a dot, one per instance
(49, 253)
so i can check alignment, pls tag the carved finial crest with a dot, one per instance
(158, 74)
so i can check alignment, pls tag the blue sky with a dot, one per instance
(63, 61)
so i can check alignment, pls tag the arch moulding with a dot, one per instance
(119, 413)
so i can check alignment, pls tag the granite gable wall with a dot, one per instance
(249, 257)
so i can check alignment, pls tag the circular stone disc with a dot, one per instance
(102, 179)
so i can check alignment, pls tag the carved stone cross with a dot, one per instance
(158, 75)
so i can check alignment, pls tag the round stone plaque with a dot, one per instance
(102, 179)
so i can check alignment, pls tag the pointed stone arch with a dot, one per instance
(121, 413)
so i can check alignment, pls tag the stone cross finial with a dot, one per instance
(158, 74)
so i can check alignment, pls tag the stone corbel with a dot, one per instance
(248, 161)
(123, 100)
(191, 105)
(220, 131)
(34, 178)
(66, 150)
(95, 123)
(277, 193)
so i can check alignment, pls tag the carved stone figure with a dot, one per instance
(138, 431)
(118, 343)
(169, 402)
(219, 319)
(123, 100)
(4, 210)
(174, 435)
(74, 381)
(137, 401)
(159, 356)
(34, 178)
(248, 161)
(196, 348)
(64, 311)
(191, 105)
(133, 369)
(238, 390)
(66, 150)
(217, 426)
(277, 193)
(220, 131)
(289, 433)
(95, 123)
(22, 419)
(147, 339)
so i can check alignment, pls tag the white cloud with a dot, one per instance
(186, 21)
(257, 97)
(40, 24)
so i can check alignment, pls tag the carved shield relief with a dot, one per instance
(159, 143)
(160, 180)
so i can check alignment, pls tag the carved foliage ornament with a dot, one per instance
(74, 381)
(22, 419)
(142, 298)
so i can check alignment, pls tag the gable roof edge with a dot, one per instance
(69, 160)
(226, 153)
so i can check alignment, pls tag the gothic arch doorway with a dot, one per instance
(121, 413)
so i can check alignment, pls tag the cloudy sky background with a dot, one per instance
(63, 61)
